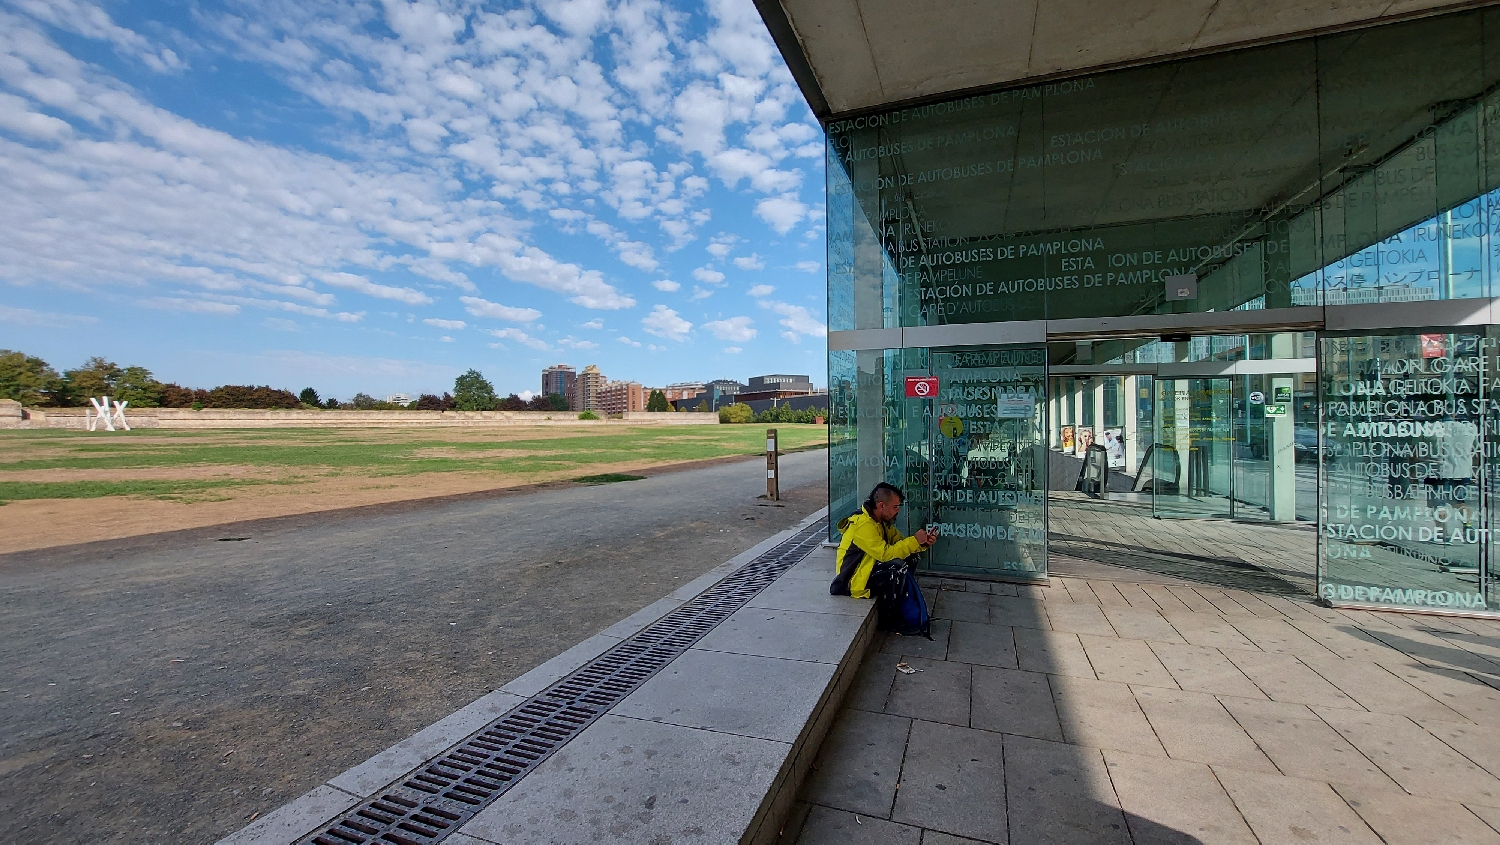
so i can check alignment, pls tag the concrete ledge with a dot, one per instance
(702, 752)
(291, 822)
(303, 815)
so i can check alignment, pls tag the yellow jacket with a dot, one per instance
(867, 542)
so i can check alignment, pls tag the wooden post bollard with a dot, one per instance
(773, 471)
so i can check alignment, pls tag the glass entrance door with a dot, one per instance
(1192, 455)
(988, 463)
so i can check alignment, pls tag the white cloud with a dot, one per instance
(526, 395)
(445, 324)
(781, 213)
(708, 276)
(467, 134)
(700, 293)
(93, 22)
(735, 328)
(809, 266)
(733, 350)
(43, 319)
(761, 290)
(484, 308)
(666, 285)
(654, 348)
(628, 342)
(445, 339)
(520, 337)
(573, 343)
(190, 306)
(664, 322)
(797, 320)
(593, 324)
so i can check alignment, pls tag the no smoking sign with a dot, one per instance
(921, 387)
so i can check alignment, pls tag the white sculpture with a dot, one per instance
(102, 413)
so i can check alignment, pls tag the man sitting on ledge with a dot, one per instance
(871, 538)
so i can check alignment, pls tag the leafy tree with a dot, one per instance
(96, 377)
(433, 402)
(308, 396)
(657, 402)
(177, 396)
(28, 380)
(512, 403)
(137, 386)
(557, 401)
(364, 402)
(588, 415)
(472, 392)
(785, 414)
(263, 397)
(736, 413)
(703, 407)
(332, 404)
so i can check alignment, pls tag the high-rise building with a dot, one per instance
(558, 379)
(585, 393)
(618, 397)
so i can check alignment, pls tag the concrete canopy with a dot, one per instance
(854, 55)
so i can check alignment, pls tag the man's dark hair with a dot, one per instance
(883, 492)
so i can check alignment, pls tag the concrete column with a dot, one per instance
(1054, 412)
(1131, 419)
(1182, 409)
(1281, 497)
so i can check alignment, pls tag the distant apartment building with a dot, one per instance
(716, 394)
(798, 384)
(682, 390)
(558, 379)
(398, 399)
(777, 387)
(618, 397)
(586, 389)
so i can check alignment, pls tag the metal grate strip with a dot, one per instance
(448, 790)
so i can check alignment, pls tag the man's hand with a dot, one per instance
(925, 537)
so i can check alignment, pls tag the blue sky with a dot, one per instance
(377, 196)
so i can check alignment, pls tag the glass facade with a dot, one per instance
(1343, 171)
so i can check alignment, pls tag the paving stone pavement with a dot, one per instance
(1097, 711)
(1265, 557)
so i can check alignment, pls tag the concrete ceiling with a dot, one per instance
(854, 55)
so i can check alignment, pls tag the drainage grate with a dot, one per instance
(453, 787)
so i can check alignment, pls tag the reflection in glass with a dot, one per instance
(989, 471)
(1402, 521)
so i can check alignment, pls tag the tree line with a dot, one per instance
(32, 381)
(35, 383)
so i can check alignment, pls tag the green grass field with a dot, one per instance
(90, 465)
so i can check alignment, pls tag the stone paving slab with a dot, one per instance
(1179, 712)
(627, 780)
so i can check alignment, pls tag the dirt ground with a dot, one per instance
(171, 689)
(282, 490)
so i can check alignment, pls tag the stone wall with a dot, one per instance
(186, 418)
